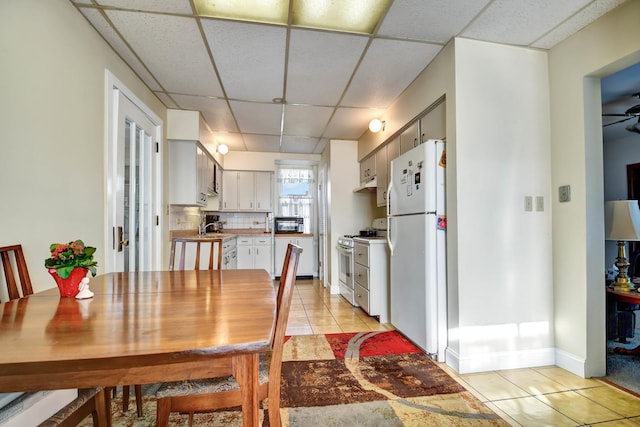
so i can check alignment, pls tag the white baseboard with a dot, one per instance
(500, 360)
(570, 362)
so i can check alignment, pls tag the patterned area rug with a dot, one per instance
(364, 379)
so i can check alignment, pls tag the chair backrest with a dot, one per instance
(285, 294)
(12, 261)
(190, 250)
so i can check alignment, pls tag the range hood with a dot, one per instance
(367, 186)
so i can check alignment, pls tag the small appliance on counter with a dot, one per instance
(213, 223)
(288, 225)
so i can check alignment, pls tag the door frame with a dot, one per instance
(114, 88)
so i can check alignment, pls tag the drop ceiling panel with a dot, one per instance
(429, 20)
(257, 118)
(167, 100)
(215, 111)
(170, 6)
(181, 64)
(298, 144)
(521, 22)
(348, 123)
(263, 143)
(306, 120)
(177, 54)
(320, 146)
(389, 66)
(581, 19)
(257, 73)
(320, 65)
(97, 20)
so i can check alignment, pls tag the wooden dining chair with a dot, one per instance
(210, 394)
(203, 246)
(91, 401)
(18, 285)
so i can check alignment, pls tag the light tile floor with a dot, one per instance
(545, 396)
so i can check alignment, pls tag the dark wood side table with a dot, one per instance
(630, 297)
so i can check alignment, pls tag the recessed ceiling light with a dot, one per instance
(273, 11)
(359, 16)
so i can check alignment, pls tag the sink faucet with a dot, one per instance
(202, 229)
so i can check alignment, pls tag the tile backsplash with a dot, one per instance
(188, 218)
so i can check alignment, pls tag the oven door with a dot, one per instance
(345, 266)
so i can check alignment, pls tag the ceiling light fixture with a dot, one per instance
(355, 16)
(376, 125)
(223, 149)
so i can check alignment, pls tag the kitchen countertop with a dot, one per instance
(229, 233)
(226, 233)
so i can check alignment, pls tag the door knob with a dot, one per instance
(118, 241)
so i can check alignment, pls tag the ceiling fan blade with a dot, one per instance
(614, 115)
(619, 121)
(634, 111)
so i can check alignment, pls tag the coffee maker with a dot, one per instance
(216, 224)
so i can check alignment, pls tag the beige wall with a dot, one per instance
(576, 65)
(52, 161)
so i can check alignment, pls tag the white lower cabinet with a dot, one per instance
(255, 252)
(229, 254)
(305, 263)
(371, 277)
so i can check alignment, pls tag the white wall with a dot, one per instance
(348, 211)
(52, 161)
(499, 266)
(576, 66)
(504, 252)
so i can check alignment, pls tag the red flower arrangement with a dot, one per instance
(66, 257)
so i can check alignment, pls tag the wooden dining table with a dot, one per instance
(140, 328)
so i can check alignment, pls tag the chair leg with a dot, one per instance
(125, 398)
(138, 391)
(102, 416)
(274, 409)
(163, 409)
(108, 395)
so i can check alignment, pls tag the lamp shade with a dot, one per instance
(622, 218)
(376, 125)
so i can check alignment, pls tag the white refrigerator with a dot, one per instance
(416, 234)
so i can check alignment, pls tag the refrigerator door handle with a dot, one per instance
(389, 187)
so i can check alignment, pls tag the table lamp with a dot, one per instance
(622, 218)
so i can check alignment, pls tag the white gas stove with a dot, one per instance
(346, 264)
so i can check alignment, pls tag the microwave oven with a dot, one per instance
(288, 224)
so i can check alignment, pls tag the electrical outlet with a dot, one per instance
(528, 203)
(539, 203)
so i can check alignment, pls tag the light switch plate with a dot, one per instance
(539, 203)
(528, 203)
(564, 193)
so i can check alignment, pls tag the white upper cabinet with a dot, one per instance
(381, 174)
(247, 191)
(189, 174)
(410, 138)
(368, 169)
